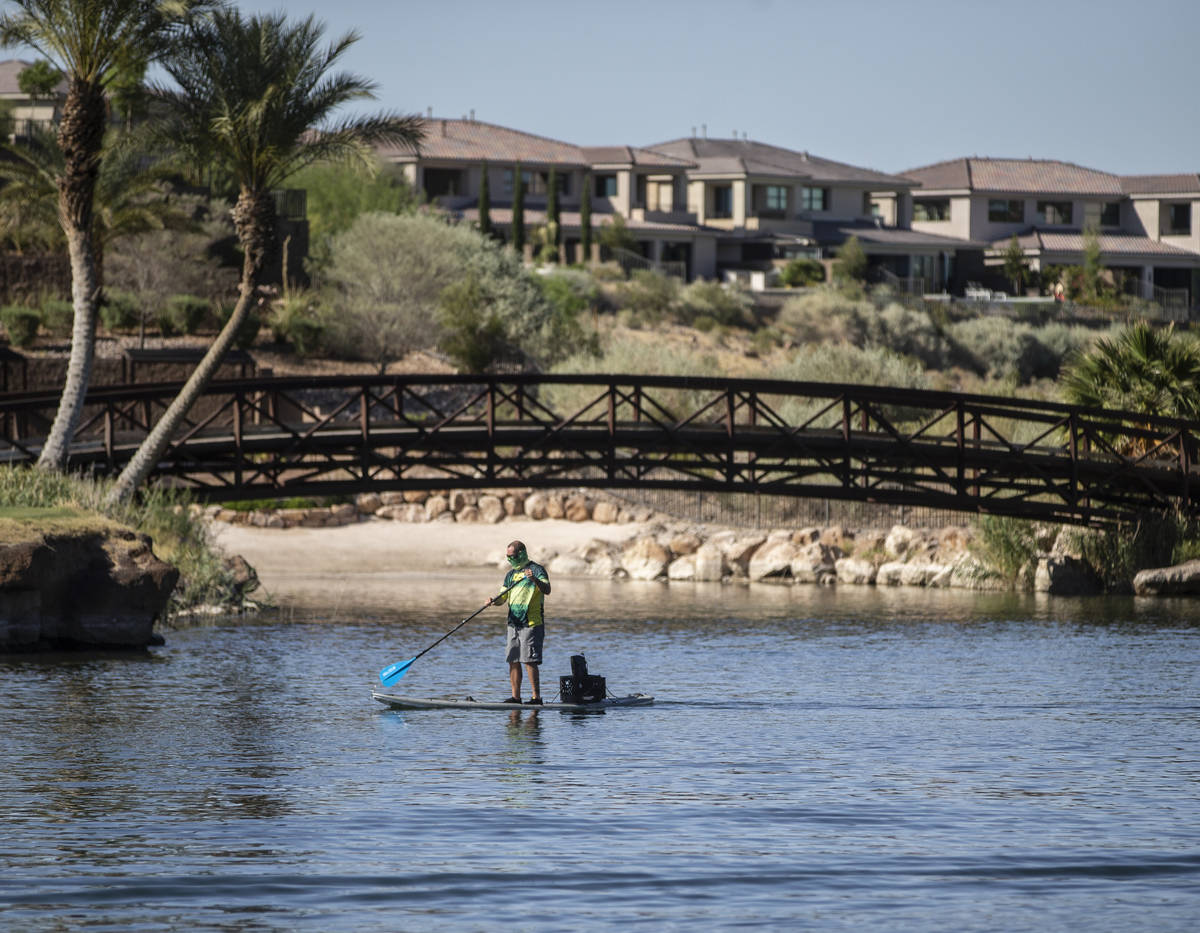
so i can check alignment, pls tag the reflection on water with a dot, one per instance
(837, 759)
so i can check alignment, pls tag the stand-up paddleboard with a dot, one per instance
(398, 702)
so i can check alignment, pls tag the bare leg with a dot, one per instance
(514, 677)
(535, 682)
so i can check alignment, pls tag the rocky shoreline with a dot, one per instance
(662, 548)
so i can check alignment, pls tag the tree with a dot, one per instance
(518, 211)
(1015, 267)
(851, 263)
(255, 94)
(86, 40)
(1140, 370)
(39, 80)
(485, 202)
(553, 235)
(585, 219)
(616, 235)
(1093, 265)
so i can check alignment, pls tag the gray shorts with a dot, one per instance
(525, 643)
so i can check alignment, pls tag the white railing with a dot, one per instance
(631, 262)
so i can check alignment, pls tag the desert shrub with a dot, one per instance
(799, 273)
(571, 291)
(910, 332)
(22, 324)
(1003, 349)
(119, 310)
(299, 322)
(712, 300)
(58, 316)
(472, 333)
(825, 314)
(851, 262)
(185, 313)
(1005, 546)
(649, 292)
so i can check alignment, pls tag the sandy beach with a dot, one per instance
(353, 563)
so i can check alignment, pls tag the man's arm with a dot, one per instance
(542, 582)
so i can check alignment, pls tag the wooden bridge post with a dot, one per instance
(364, 422)
(960, 472)
(239, 453)
(1073, 450)
(1185, 467)
(490, 472)
(611, 454)
(108, 436)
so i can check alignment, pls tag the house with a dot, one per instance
(23, 109)
(1146, 224)
(646, 189)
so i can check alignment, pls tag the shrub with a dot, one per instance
(248, 332)
(1005, 546)
(650, 292)
(721, 304)
(298, 321)
(185, 313)
(119, 310)
(472, 334)
(1003, 349)
(802, 272)
(58, 316)
(851, 263)
(21, 323)
(570, 291)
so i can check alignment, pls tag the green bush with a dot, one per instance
(723, 305)
(21, 323)
(58, 316)
(1003, 349)
(800, 273)
(248, 332)
(185, 313)
(1005, 546)
(298, 321)
(649, 292)
(472, 334)
(570, 291)
(119, 311)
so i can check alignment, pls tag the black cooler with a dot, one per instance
(581, 687)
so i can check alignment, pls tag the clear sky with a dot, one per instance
(884, 84)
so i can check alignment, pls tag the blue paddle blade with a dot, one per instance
(393, 672)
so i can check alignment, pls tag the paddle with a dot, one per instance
(393, 672)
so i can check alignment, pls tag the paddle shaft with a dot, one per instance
(469, 618)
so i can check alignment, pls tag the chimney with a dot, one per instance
(472, 114)
(693, 132)
(429, 112)
(704, 130)
(443, 125)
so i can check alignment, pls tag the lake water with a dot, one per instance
(836, 760)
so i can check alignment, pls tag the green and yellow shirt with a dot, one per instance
(525, 600)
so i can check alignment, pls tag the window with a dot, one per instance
(931, 208)
(1006, 211)
(814, 199)
(1178, 218)
(771, 200)
(533, 182)
(606, 186)
(1106, 214)
(639, 191)
(1054, 212)
(443, 181)
(722, 200)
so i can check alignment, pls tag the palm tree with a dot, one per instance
(255, 97)
(86, 40)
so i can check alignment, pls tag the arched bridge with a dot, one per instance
(266, 437)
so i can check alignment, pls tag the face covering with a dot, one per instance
(519, 559)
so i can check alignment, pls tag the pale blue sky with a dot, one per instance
(884, 84)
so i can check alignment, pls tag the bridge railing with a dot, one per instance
(297, 436)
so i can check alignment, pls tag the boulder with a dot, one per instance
(414, 496)
(435, 507)
(899, 541)
(836, 536)
(738, 549)
(889, 573)
(491, 510)
(683, 542)
(292, 517)
(554, 507)
(566, 565)
(813, 563)
(343, 514)
(595, 549)
(1180, 580)
(316, 518)
(392, 498)
(535, 506)
(854, 571)
(682, 568)
(773, 561)
(645, 559)
(605, 512)
(709, 563)
(513, 506)
(806, 536)
(467, 514)
(576, 509)
(918, 573)
(1065, 576)
(97, 587)
(367, 503)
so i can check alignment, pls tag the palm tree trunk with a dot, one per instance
(254, 218)
(80, 136)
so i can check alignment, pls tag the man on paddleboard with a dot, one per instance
(526, 620)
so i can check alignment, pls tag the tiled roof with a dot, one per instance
(832, 231)
(1015, 176)
(749, 157)
(1188, 183)
(473, 141)
(1110, 244)
(502, 217)
(632, 155)
(10, 71)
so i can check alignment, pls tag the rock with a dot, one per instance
(435, 507)
(275, 520)
(467, 514)
(460, 499)
(709, 563)
(918, 573)
(446, 516)
(813, 563)
(513, 506)
(315, 518)
(605, 513)
(415, 496)
(554, 507)
(99, 587)
(259, 518)
(806, 536)
(576, 509)
(392, 498)
(491, 510)
(607, 566)
(854, 571)
(565, 565)
(535, 506)
(1065, 576)
(682, 543)
(900, 541)
(645, 559)
(243, 577)
(344, 514)
(1179, 580)
(836, 536)
(942, 574)
(773, 560)
(738, 549)
(367, 503)
(889, 573)
(682, 568)
(292, 517)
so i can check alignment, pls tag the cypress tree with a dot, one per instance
(585, 219)
(485, 206)
(518, 212)
(552, 211)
